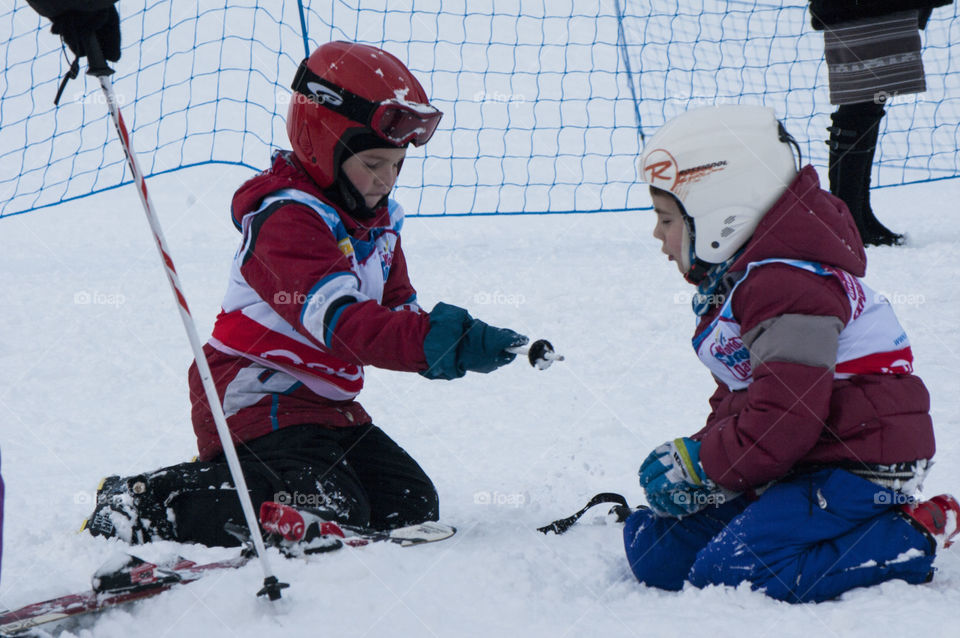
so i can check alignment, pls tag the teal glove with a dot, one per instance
(457, 343)
(675, 482)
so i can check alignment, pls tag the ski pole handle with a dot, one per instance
(96, 64)
(540, 354)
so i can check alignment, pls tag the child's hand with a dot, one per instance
(675, 482)
(457, 343)
(484, 347)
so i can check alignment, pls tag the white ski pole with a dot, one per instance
(97, 67)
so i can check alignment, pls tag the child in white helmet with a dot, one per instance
(803, 480)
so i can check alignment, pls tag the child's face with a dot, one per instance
(374, 172)
(669, 228)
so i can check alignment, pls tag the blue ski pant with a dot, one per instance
(806, 539)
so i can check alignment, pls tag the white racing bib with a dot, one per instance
(872, 342)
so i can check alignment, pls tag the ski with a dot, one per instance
(309, 528)
(128, 578)
(117, 582)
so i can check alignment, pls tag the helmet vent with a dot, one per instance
(726, 232)
(729, 220)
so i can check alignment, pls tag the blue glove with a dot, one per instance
(456, 343)
(675, 482)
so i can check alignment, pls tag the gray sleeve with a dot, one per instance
(806, 339)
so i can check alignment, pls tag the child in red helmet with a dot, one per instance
(803, 481)
(318, 290)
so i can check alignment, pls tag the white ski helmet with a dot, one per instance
(727, 165)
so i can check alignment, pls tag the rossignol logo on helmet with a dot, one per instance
(688, 175)
(323, 94)
(660, 169)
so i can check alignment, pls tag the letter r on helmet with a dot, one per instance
(660, 169)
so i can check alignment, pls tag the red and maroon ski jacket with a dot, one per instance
(313, 296)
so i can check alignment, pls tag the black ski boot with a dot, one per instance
(132, 509)
(853, 142)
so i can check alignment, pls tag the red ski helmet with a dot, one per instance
(347, 92)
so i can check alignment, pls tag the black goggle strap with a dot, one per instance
(336, 98)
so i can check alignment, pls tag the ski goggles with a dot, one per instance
(397, 122)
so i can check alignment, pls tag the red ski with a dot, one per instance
(116, 583)
(128, 578)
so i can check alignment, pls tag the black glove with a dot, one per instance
(74, 20)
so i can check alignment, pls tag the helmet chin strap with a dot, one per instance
(694, 268)
(687, 256)
(344, 193)
(698, 272)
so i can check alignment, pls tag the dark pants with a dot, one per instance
(359, 475)
(806, 539)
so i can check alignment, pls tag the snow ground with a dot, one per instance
(93, 383)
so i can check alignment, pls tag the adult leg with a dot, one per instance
(815, 537)
(853, 143)
(869, 60)
(661, 550)
(399, 491)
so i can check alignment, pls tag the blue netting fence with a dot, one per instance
(685, 53)
(543, 101)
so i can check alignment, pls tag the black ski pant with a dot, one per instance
(359, 475)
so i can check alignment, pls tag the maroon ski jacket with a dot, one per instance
(796, 411)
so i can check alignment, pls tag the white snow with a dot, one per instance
(950, 528)
(903, 557)
(94, 382)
